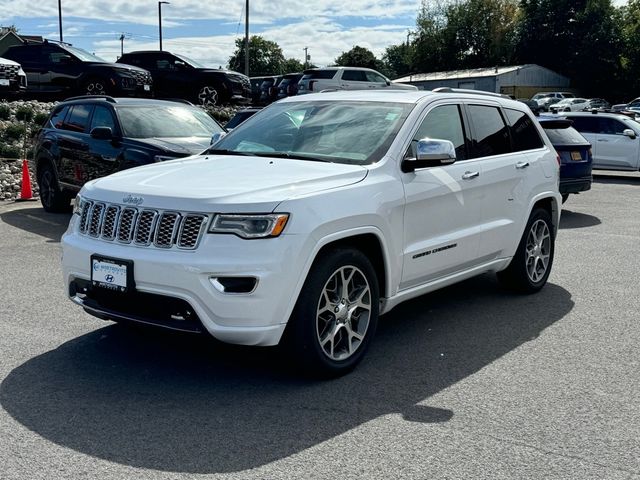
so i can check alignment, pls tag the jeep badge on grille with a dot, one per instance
(131, 200)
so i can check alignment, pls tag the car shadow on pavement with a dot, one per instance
(179, 403)
(628, 179)
(570, 219)
(36, 220)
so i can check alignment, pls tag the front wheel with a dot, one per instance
(94, 86)
(336, 314)
(531, 265)
(208, 96)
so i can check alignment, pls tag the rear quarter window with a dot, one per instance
(320, 74)
(524, 134)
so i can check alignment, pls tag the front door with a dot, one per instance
(443, 204)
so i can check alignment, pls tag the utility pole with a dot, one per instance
(160, 22)
(60, 17)
(306, 56)
(122, 44)
(246, 39)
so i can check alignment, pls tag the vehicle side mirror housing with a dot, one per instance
(430, 152)
(102, 133)
(216, 137)
(627, 132)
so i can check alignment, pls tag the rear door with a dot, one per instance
(354, 80)
(73, 144)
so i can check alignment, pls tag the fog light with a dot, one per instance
(234, 284)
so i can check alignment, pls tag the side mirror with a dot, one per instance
(102, 133)
(629, 133)
(216, 137)
(430, 152)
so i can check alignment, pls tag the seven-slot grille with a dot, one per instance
(8, 71)
(142, 226)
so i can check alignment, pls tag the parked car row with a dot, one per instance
(62, 70)
(269, 89)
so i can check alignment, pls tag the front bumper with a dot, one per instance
(184, 280)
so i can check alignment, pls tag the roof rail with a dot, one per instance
(89, 97)
(466, 90)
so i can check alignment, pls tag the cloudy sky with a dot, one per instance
(206, 31)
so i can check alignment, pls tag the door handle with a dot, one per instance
(602, 140)
(522, 165)
(470, 175)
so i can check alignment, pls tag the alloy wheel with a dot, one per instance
(538, 250)
(208, 96)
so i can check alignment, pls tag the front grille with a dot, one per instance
(142, 78)
(142, 226)
(9, 72)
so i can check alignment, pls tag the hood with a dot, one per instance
(403, 86)
(223, 183)
(181, 145)
(6, 61)
(121, 66)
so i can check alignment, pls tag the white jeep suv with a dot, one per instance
(317, 215)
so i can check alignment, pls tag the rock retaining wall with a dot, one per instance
(11, 179)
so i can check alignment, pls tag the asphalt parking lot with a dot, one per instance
(469, 382)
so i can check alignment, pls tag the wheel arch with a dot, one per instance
(552, 206)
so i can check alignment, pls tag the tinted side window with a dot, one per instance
(491, 136)
(77, 118)
(610, 126)
(585, 124)
(102, 118)
(320, 74)
(524, 133)
(57, 117)
(354, 75)
(443, 123)
(374, 77)
(23, 55)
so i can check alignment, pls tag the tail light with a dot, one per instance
(311, 82)
(558, 159)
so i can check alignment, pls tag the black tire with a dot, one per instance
(354, 333)
(94, 86)
(527, 272)
(565, 197)
(53, 199)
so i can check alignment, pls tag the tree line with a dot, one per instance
(593, 42)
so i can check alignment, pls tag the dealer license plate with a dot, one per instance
(147, 88)
(111, 273)
(4, 82)
(576, 156)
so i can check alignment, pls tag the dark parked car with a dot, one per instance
(59, 68)
(532, 104)
(574, 151)
(256, 84)
(240, 117)
(288, 86)
(269, 89)
(90, 137)
(12, 78)
(176, 76)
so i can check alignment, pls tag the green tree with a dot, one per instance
(397, 60)
(359, 57)
(265, 57)
(291, 65)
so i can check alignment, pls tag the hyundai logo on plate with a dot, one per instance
(109, 278)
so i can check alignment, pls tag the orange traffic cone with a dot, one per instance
(25, 190)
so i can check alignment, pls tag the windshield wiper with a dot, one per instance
(295, 156)
(222, 151)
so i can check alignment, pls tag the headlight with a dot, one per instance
(250, 226)
(78, 203)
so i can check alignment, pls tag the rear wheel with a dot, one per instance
(336, 314)
(53, 199)
(531, 265)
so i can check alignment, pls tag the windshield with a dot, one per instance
(150, 121)
(187, 60)
(84, 55)
(333, 131)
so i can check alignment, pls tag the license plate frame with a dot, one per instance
(576, 156)
(115, 274)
